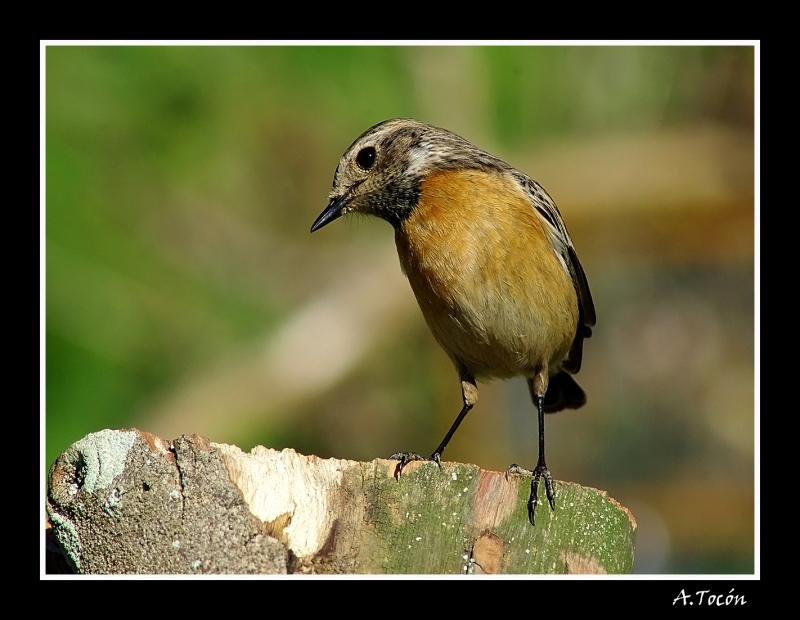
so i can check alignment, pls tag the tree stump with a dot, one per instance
(129, 502)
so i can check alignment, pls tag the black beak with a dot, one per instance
(332, 212)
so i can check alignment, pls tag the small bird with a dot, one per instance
(489, 259)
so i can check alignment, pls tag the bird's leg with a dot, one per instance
(541, 470)
(538, 388)
(469, 392)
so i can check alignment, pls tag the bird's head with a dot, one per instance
(380, 174)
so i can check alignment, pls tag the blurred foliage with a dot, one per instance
(539, 91)
(181, 183)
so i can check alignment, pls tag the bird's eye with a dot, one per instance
(366, 158)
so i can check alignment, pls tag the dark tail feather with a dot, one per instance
(563, 393)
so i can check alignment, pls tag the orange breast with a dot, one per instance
(491, 288)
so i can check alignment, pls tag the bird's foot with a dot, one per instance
(404, 458)
(538, 473)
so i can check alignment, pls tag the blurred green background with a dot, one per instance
(184, 293)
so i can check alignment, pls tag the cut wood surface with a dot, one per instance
(129, 502)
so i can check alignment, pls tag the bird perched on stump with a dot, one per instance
(488, 257)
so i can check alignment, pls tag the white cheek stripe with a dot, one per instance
(417, 156)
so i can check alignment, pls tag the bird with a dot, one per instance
(490, 262)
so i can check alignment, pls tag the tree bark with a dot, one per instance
(129, 502)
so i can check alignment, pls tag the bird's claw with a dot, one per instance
(404, 458)
(539, 473)
(516, 469)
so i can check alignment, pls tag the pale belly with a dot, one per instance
(499, 322)
(503, 339)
